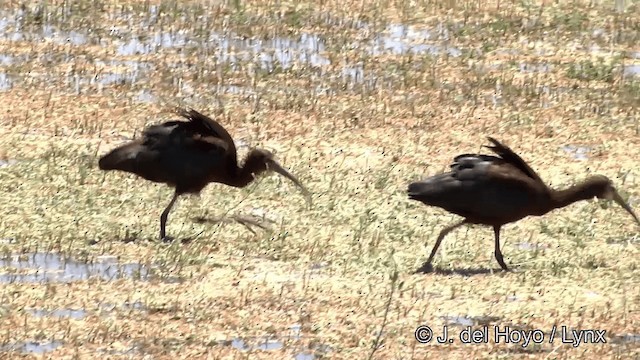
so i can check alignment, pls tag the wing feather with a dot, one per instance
(482, 188)
(210, 128)
(512, 158)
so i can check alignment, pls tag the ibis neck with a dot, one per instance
(562, 198)
(244, 176)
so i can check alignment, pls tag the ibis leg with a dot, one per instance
(426, 267)
(498, 252)
(165, 215)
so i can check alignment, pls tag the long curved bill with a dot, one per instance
(274, 166)
(617, 198)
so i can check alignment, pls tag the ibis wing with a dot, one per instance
(471, 160)
(173, 134)
(512, 158)
(209, 128)
(210, 145)
(165, 154)
(483, 189)
(138, 158)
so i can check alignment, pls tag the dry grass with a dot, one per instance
(372, 110)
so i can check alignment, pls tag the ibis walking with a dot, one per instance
(188, 155)
(497, 190)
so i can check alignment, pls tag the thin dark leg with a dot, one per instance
(426, 267)
(498, 253)
(165, 215)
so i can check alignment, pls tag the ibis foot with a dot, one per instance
(424, 269)
(501, 261)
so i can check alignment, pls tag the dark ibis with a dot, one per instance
(497, 190)
(188, 155)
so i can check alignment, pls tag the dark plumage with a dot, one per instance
(188, 155)
(496, 190)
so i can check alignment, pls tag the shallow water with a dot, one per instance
(469, 320)
(632, 70)
(31, 347)
(278, 342)
(54, 267)
(578, 152)
(75, 314)
(268, 53)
